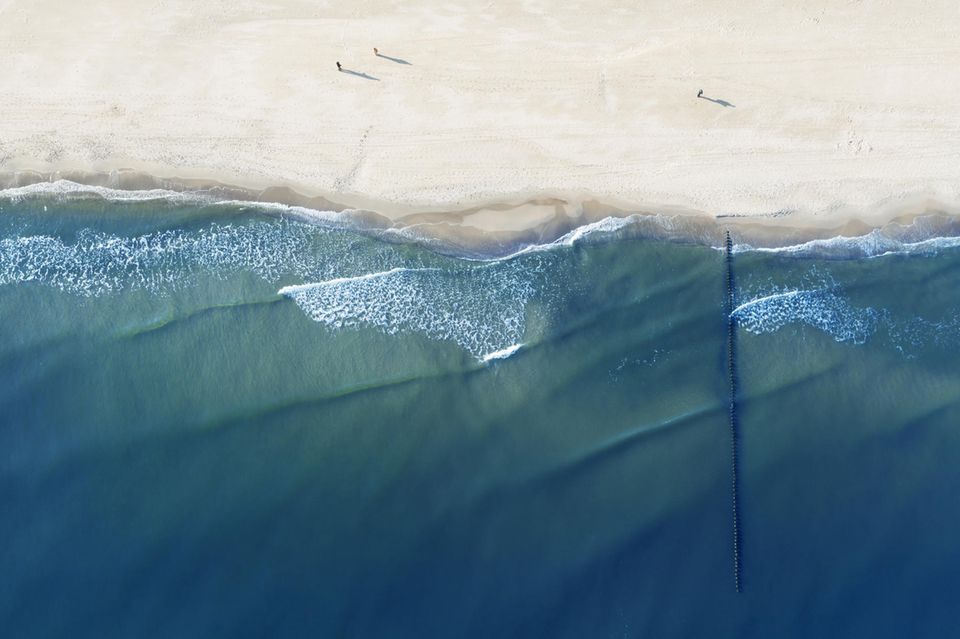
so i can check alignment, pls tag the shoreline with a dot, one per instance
(500, 228)
(497, 119)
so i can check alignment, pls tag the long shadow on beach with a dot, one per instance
(360, 75)
(392, 59)
(722, 103)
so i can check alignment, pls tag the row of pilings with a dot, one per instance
(734, 424)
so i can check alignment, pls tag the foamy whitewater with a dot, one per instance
(479, 305)
(823, 308)
(479, 309)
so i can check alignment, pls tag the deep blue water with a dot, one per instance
(218, 420)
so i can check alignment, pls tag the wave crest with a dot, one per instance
(823, 308)
(481, 309)
(876, 243)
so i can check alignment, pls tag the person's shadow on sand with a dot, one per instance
(392, 59)
(722, 103)
(359, 75)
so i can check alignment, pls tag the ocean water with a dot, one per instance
(226, 419)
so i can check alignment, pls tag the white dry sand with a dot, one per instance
(836, 108)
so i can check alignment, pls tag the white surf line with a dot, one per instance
(66, 187)
(609, 224)
(503, 353)
(340, 220)
(299, 288)
(767, 298)
(869, 245)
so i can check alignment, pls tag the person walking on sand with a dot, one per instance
(376, 52)
(700, 93)
(339, 68)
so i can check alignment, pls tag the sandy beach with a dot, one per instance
(827, 110)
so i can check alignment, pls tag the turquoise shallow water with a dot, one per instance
(218, 420)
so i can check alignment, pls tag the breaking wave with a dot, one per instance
(503, 353)
(876, 243)
(354, 278)
(826, 308)
(95, 263)
(65, 189)
(481, 309)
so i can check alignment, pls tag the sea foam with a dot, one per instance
(65, 188)
(479, 304)
(876, 243)
(481, 309)
(823, 308)
(503, 353)
(822, 304)
(97, 263)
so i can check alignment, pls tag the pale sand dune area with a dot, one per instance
(828, 109)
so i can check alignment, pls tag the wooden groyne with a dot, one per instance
(734, 424)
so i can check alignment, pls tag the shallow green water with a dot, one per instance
(218, 421)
